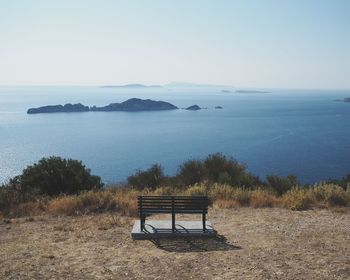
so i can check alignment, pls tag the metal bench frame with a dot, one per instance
(173, 205)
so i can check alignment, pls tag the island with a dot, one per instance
(226, 91)
(218, 107)
(193, 108)
(131, 86)
(130, 105)
(251, 91)
(67, 108)
(136, 104)
(346, 100)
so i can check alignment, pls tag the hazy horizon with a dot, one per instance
(255, 44)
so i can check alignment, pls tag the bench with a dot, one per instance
(148, 205)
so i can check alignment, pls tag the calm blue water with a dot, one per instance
(300, 132)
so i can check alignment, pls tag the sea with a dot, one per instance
(281, 132)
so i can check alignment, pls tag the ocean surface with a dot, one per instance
(301, 132)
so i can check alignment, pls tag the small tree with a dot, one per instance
(150, 178)
(191, 172)
(53, 176)
(282, 184)
(220, 169)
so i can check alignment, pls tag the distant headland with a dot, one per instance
(346, 100)
(251, 91)
(130, 105)
(131, 86)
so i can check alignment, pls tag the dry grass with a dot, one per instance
(268, 243)
(123, 200)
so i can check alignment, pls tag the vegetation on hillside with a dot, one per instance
(60, 186)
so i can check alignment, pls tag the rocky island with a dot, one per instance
(193, 108)
(67, 108)
(130, 105)
(136, 104)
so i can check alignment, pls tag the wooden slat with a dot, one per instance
(175, 198)
(173, 204)
(178, 212)
(176, 208)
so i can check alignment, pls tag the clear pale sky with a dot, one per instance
(292, 44)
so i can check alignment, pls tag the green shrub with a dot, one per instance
(53, 176)
(281, 184)
(223, 170)
(216, 168)
(191, 172)
(150, 178)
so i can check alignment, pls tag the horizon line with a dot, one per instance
(190, 84)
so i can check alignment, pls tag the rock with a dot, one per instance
(218, 107)
(193, 108)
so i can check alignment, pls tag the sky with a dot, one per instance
(265, 43)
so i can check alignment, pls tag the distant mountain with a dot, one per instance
(182, 84)
(132, 86)
(186, 84)
(251, 91)
(136, 104)
(67, 108)
(130, 105)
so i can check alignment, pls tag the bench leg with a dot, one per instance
(173, 222)
(142, 222)
(203, 220)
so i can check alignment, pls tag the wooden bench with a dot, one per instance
(173, 205)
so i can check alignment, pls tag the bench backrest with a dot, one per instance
(173, 204)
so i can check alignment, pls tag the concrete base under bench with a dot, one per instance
(162, 229)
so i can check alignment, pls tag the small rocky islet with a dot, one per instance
(193, 108)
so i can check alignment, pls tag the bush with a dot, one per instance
(151, 178)
(53, 176)
(297, 199)
(216, 168)
(281, 184)
(223, 170)
(191, 172)
(344, 182)
(330, 195)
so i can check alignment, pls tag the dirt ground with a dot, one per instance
(251, 244)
